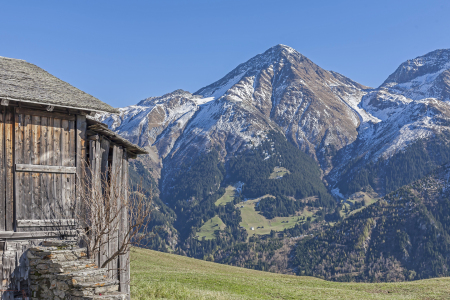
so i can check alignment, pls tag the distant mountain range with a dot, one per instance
(319, 111)
(361, 139)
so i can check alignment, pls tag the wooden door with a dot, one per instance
(45, 170)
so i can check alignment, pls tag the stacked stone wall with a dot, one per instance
(61, 270)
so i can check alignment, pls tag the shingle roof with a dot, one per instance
(99, 127)
(23, 81)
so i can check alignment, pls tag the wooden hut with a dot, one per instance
(46, 139)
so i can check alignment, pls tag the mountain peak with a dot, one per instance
(282, 50)
(426, 76)
(178, 92)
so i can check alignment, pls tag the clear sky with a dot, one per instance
(124, 51)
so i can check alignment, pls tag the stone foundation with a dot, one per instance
(61, 270)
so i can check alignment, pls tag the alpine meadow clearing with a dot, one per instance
(158, 275)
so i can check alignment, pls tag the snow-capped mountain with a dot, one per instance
(426, 76)
(277, 90)
(315, 108)
(411, 105)
(321, 112)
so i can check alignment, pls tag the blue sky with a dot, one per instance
(124, 51)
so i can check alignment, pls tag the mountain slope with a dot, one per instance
(406, 118)
(404, 236)
(426, 76)
(314, 108)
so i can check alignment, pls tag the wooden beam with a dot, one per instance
(46, 223)
(37, 234)
(93, 137)
(45, 169)
(124, 260)
(44, 113)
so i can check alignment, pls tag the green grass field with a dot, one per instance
(157, 275)
(278, 172)
(227, 197)
(262, 225)
(209, 228)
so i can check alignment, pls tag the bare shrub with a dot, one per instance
(111, 212)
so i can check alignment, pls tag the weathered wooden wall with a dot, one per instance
(45, 171)
(107, 159)
(42, 159)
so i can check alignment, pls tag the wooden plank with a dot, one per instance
(80, 140)
(49, 176)
(46, 223)
(57, 178)
(36, 234)
(104, 169)
(97, 190)
(2, 173)
(9, 151)
(36, 206)
(24, 203)
(104, 145)
(71, 178)
(111, 242)
(18, 177)
(45, 169)
(116, 174)
(93, 180)
(44, 199)
(65, 143)
(35, 139)
(124, 260)
(47, 114)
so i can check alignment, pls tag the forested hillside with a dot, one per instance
(404, 236)
(402, 168)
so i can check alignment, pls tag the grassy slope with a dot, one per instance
(278, 172)
(157, 275)
(208, 229)
(252, 218)
(357, 197)
(227, 197)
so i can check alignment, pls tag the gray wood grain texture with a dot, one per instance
(115, 197)
(45, 165)
(9, 168)
(45, 169)
(104, 169)
(80, 164)
(124, 260)
(46, 223)
(2, 173)
(36, 234)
